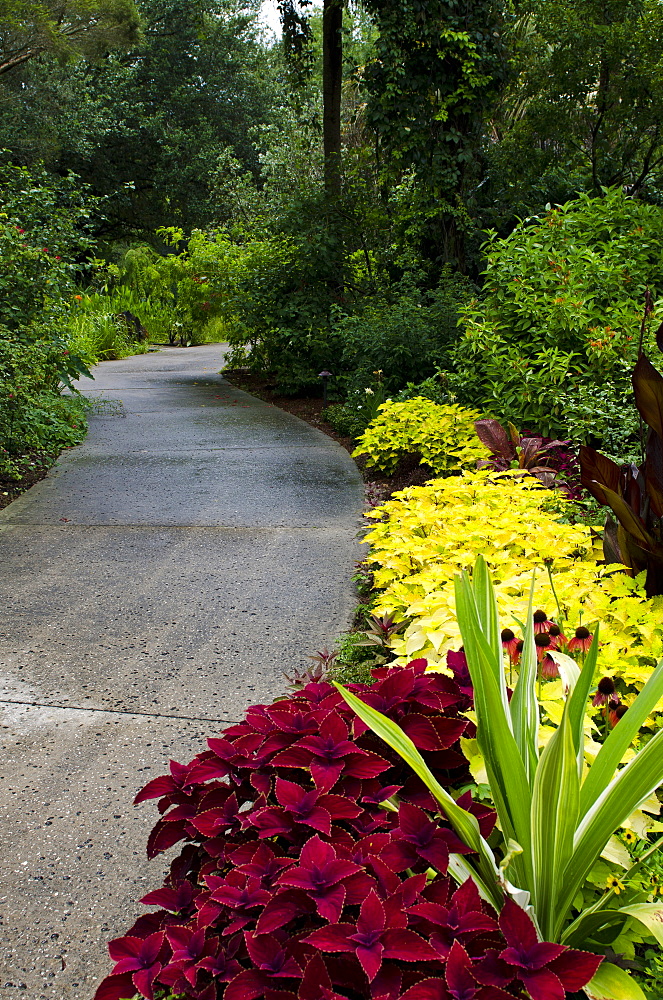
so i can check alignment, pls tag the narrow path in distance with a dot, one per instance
(157, 582)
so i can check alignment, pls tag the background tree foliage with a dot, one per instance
(65, 28)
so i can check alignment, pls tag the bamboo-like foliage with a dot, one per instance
(556, 816)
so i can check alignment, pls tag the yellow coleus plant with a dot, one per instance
(427, 534)
(442, 435)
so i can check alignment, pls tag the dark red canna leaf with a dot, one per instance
(597, 469)
(648, 391)
(491, 433)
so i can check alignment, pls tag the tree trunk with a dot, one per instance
(332, 78)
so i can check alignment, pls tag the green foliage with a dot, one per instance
(437, 66)
(405, 333)
(561, 308)
(146, 129)
(34, 416)
(556, 818)
(354, 661)
(67, 29)
(583, 105)
(442, 435)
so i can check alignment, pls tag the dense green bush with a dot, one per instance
(34, 415)
(560, 311)
(43, 241)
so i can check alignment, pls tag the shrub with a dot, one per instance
(561, 308)
(34, 416)
(405, 333)
(443, 436)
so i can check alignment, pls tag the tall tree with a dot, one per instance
(584, 109)
(298, 39)
(146, 130)
(65, 28)
(438, 68)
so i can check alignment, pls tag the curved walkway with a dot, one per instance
(157, 582)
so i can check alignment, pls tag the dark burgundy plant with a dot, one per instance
(634, 493)
(550, 461)
(299, 880)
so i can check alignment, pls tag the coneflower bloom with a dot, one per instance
(557, 637)
(604, 691)
(509, 643)
(541, 623)
(542, 643)
(549, 669)
(520, 645)
(582, 640)
(617, 713)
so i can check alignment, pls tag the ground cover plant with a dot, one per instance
(556, 814)
(441, 435)
(293, 880)
(426, 534)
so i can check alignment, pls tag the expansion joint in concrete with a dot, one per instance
(114, 711)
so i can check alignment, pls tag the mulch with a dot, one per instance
(32, 468)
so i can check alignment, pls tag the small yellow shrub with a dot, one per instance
(443, 435)
(429, 533)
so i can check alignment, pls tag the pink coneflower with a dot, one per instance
(582, 640)
(557, 637)
(604, 691)
(520, 645)
(617, 713)
(543, 644)
(541, 623)
(509, 643)
(549, 668)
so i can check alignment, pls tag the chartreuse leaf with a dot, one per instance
(509, 785)
(463, 822)
(648, 914)
(611, 753)
(554, 816)
(612, 983)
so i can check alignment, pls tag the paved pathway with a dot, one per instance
(157, 582)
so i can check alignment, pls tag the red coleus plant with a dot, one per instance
(295, 883)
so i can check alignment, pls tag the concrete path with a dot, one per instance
(157, 582)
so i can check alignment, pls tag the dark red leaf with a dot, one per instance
(648, 390)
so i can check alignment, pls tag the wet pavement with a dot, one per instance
(158, 581)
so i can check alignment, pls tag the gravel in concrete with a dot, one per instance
(157, 582)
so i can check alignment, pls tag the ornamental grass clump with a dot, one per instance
(442, 435)
(315, 866)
